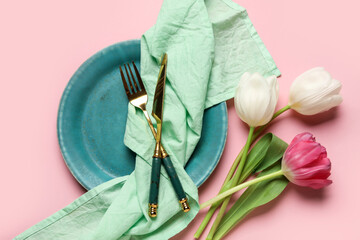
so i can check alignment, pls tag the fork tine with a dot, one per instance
(130, 83)
(124, 82)
(138, 77)
(133, 78)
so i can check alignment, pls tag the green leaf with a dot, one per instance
(268, 150)
(255, 196)
(256, 156)
(274, 152)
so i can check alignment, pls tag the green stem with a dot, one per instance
(233, 168)
(278, 113)
(213, 208)
(239, 187)
(205, 221)
(233, 183)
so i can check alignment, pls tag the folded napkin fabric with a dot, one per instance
(209, 45)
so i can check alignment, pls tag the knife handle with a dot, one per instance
(169, 167)
(154, 186)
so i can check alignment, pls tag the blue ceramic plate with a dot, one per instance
(92, 117)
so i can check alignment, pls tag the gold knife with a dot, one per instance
(160, 155)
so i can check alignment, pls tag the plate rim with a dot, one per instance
(64, 97)
(221, 151)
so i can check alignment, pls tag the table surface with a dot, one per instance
(43, 43)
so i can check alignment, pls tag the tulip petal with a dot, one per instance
(322, 106)
(273, 83)
(256, 98)
(305, 162)
(302, 154)
(321, 172)
(314, 91)
(314, 183)
(321, 161)
(305, 136)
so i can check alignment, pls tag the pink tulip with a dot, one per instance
(305, 162)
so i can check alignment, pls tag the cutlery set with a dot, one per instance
(138, 97)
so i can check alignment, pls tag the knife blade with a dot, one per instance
(158, 104)
(160, 154)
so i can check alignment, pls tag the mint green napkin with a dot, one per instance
(209, 45)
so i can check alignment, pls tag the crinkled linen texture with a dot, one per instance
(210, 44)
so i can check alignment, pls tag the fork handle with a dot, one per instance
(154, 186)
(175, 181)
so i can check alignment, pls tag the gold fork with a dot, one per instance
(138, 98)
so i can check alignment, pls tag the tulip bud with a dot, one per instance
(314, 91)
(256, 98)
(305, 162)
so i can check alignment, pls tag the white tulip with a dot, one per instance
(256, 98)
(314, 91)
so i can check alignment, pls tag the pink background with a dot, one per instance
(44, 42)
